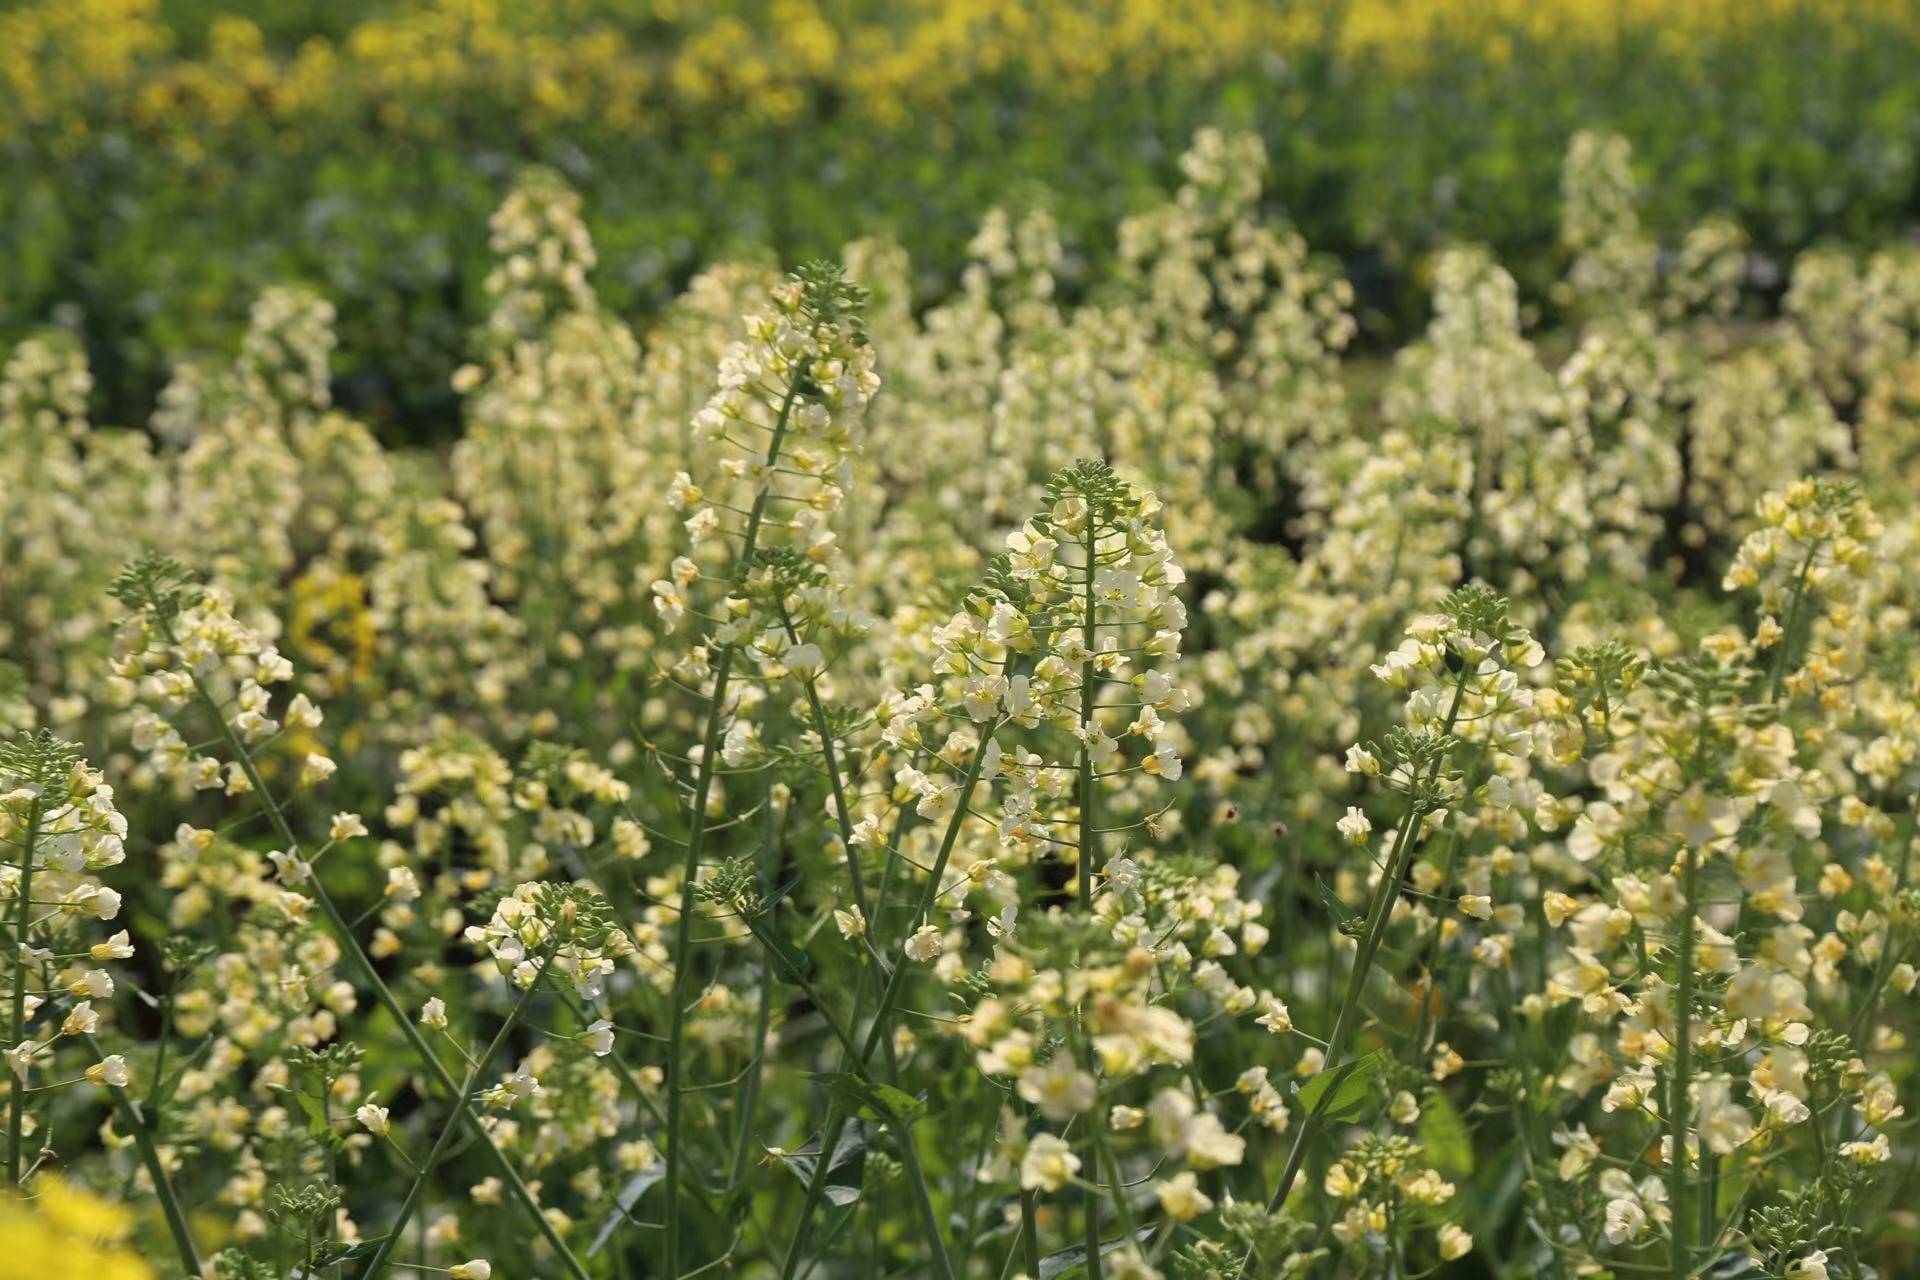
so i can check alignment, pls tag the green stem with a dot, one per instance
(1787, 630)
(16, 1121)
(696, 845)
(1429, 1000)
(1678, 1095)
(136, 1126)
(1089, 839)
(1110, 1164)
(1379, 911)
(1088, 848)
(749, 1102)
(923, 1200)
(1429, 994)
(843, 818)
(966, 1196)
(344, 934)
(1030, 1232)
(909, 1154)
(468, 1087)
(889, 998)
(620, 1068)
(896, 980)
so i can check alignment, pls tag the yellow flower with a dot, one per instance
(65, 1233)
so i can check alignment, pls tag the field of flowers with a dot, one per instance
(163, 161)
(1052, 783)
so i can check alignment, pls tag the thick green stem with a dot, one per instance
(843, 817)
(1089, 838)
(890, 996)
(1030, 1231)
(1429, 1008)
(1110, 1167)
(696, 845)
(923, 1200)
(749, 1100)
(909, 1155)
(16, 1120)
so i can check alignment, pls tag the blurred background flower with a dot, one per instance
(161, 161)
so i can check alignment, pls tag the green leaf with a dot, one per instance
(623, 1203)
(1338, 1094)
(1059, 1264)
(845, 1171)
(1444, 1134)
(891, 1106)
(778, 896)
(349, 1252)
(317, 1126)
(789, 961)
(848, 1089)
(899, 1103)
(1345, 919)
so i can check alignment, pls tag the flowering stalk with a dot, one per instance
(696, 845)
(1089, 841)
(806, 365)
(160, 610)
(16, 1120)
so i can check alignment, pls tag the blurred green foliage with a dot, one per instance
(156, 174)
